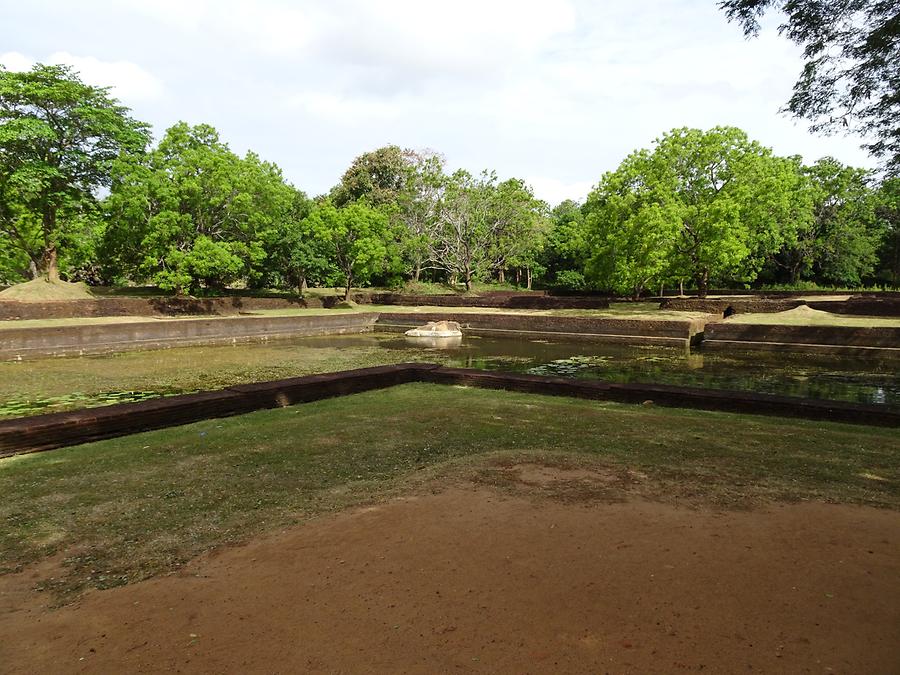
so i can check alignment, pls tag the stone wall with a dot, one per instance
(855, 305)
(157, 306)
(851, 341)
(499, 300)
(22, 343)
(58, 430)
(635, 331)
(738, 305)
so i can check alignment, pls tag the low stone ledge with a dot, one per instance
(855, 305)
(873, 354)
(736, 305)
(799, 336)
(57, 430)
(672, 396)
(23, 343)
(675, 331)
(153, 306)
(495, 299)
(859, 306)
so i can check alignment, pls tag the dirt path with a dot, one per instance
(472, 580)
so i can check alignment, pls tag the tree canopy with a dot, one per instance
(851, 75)
(192, 213)
(702, 204)
(59, 139)
(81, 193)
(355, 236)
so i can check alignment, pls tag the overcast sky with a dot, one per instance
(553, 91)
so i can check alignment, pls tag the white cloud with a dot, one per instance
(349, 111)
(15, 61)
(128, 81)
(559, 90)
(468, 36)
(553, 191)
(267, 26)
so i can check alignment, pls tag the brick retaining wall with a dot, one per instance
(57, 430)
(847, 340)
(156, 306)
(497, 300)
(21, 343)
(859, 306)
(634, 331)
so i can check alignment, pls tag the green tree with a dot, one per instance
(405, 184)
(195, 214)
(58, 141)
(706, 205)
(851, 76)
(468, 239)
(355, 237)
(565, 253)
(377, 177)
(296, 256)
(632, 226)
(842, 237)
(418, 208)
(887, 210)
(520, 223)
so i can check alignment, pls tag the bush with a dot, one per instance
(570, 280)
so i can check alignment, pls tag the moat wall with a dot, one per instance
(838, 340)
(35, 342)
(632, 331)
(59, 430)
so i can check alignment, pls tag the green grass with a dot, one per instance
(125, 509)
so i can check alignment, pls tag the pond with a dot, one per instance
(50, 385)
(830, 378)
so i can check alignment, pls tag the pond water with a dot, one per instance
(808, 376)
(50, 385)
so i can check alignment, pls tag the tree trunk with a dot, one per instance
(518, 277)
(302, 287)
(681, 287)
(528, 277)
(417, 272)
(702, 284)
(50, 264)
(347, 287)
(795, 273)
(501, 276)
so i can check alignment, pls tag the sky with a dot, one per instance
(556, 92)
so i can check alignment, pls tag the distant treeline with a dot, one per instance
(85, 195)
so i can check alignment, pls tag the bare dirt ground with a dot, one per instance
(521, 578)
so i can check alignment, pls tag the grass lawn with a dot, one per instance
(128, 508)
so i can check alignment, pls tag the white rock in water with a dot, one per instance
(436, 329)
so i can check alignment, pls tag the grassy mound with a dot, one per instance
(42, 290)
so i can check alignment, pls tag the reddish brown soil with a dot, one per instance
(472, 580)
